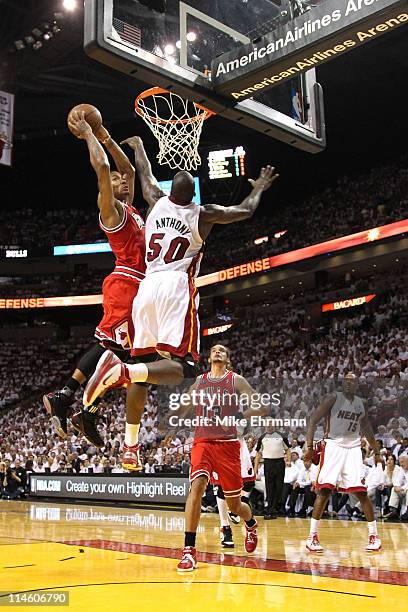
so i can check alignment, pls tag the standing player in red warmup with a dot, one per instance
(124, 228)
(216, 447)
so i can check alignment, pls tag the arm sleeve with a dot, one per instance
(259, 445)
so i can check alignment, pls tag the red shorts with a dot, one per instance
(221, 457)
(116, 325)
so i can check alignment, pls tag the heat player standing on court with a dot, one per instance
(216, 395)
(165, 310)
(341, 460)
(124, 228)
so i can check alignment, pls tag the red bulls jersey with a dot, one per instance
(127, 241)
(218, 404)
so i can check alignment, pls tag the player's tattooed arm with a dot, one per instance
(368, 432)
(319, 414)
(150, 188)
(213, 213)
(122, 162)
(100, 163)
(249, 398)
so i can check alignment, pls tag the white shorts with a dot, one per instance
(340, 468)
(247, 470)
(165, 315)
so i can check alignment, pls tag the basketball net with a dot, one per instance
(176, 123)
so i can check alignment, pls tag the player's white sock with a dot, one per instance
(372, 528)
(223, 512)
(131, 434)
(138, 372)
(313, 526)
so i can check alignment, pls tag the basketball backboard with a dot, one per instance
(171, 44)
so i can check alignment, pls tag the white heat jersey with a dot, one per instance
(344, 420)
(173, 242)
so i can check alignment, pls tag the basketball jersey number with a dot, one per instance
(176, 251)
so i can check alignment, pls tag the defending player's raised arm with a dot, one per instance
(100, 163)
(122, 162)
(150, 188)
(213, 213)
(322, 410)
(249, 398)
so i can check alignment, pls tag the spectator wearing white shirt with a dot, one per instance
(304, 485)
(97, 466)
(399, 489)
(149, 466)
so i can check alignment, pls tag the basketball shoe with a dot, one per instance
(110, 372)
(234, 518)
(313, 544)
(131, 458)
(57, 405)
(85, 423)
(251, 538)
(374, 543)
(226, 537)
(188, 561)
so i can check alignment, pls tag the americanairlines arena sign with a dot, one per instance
(318, 35)
(348, 303)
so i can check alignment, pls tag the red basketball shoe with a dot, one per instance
(131, 458)
(188, 561)
(110, 372)
(251, 538)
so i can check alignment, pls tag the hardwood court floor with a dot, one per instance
(111, 558)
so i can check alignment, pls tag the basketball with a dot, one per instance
(92, 115)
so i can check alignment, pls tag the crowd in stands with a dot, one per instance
(351, 205)
(274, 347)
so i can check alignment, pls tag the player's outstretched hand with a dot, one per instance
(133, 142)
(78, 125)
(265, 179)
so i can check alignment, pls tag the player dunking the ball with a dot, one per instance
(341, 460)
(165, 309)
(124, 228)
(220, 399)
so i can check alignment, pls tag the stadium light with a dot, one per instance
(191, 36)
(169, 49)
(69, 5)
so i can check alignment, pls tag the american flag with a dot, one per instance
(128, 33)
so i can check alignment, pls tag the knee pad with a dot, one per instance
(248, 486)
(89, 360)
(220, 493)
(188, 365)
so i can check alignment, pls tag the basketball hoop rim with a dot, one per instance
(204, 115)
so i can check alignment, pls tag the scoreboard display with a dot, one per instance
(228, 163)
